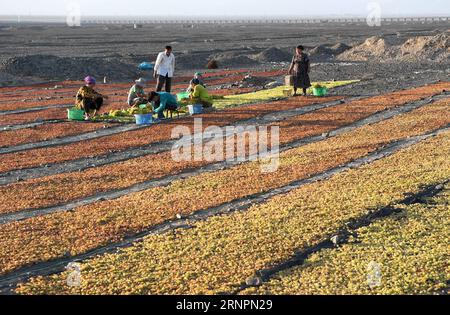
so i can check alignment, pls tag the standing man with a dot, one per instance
(164, 69)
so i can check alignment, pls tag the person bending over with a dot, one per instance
(199, 77)
(136, 95)
(161, 102)
(200, 95)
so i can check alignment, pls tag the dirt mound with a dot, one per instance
(420, 48)
(339, 48)
(233, 60)
(426, 47)
(59, 68)
(191, 61)
(320, 50)
(373, 47)
(272, 55)
(212, 64)
(327, 52)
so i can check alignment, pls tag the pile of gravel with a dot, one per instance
(327, 52)
(60, 68)
(419, 48)
(426, 48)
(192, 61)
(373, 48)
(272, 54)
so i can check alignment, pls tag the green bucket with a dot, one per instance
(75, 114)
(320, 91)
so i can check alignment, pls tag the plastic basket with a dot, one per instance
(75, 114)
(144, 119)
(195, 109)
(322, 91)
(182, 96)
(289, 80)
(287, 92)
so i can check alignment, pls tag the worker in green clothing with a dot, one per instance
(199, 76)
(161, 102)
(200, 95)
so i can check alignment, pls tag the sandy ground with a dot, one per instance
(36, 53)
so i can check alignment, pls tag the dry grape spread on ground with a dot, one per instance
(402, 152)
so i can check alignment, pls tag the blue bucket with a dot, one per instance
(195, 109)
(144, 119)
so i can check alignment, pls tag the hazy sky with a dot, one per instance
(222, 7)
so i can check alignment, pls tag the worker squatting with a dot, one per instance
(90, 101)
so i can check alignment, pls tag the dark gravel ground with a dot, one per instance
(36, 53)
(379, 78)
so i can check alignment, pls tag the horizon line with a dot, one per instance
(440, 14)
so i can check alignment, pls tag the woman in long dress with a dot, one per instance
(299, 69)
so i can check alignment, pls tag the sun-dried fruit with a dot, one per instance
(22, 241)
(406, 253)
(220, 253)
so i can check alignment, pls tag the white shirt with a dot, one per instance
(165, 65)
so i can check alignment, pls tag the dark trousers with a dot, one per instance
(168, 107)
(93, 105)
(163, 80)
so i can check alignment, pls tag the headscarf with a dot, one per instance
(90, 80)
